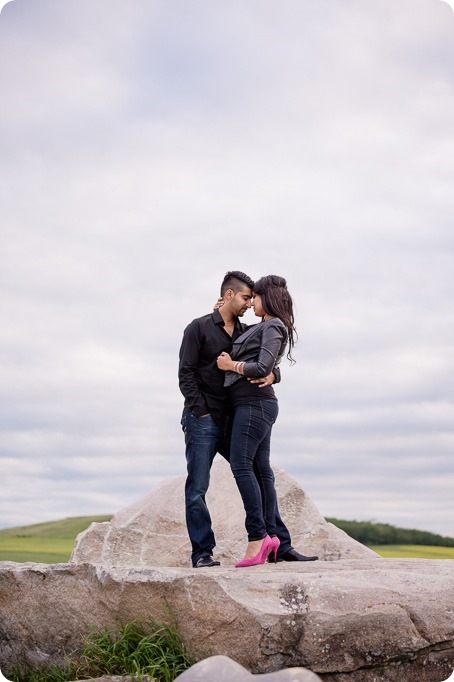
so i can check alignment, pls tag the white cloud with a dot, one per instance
(146, 149)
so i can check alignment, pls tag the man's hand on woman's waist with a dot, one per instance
(263, 381)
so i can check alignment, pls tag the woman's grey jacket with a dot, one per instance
(261, 348)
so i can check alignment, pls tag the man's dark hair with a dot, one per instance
(235, 280)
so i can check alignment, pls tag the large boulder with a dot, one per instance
(152, 532)
(358, 620)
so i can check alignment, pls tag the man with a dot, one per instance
(206, 412)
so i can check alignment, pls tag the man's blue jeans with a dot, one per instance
(204, 438)
(250, 463)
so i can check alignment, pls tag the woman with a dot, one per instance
(254, 354)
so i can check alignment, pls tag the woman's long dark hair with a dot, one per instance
(277, 302)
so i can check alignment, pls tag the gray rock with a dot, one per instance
(357, 620)
(223, 669)
(152, 532)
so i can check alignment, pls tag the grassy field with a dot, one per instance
(47, 543)
(415, 551)
(52, 543)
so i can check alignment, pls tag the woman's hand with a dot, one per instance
(225, 362)
(219, 303)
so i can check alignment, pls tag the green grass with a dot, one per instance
(414, 551)
(52, 543)
(47, 543)
(154, 649)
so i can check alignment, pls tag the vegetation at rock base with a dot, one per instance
(154, 650)
(371, 533)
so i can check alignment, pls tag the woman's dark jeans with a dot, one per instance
(250, 463)
(204, 438)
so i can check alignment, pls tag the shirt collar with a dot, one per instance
(218, 319)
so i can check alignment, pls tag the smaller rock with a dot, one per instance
(223, 669)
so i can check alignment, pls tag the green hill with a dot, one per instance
(52, 542)
(47, 543)
(371, 533)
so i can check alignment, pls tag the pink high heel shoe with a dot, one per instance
(268, 545)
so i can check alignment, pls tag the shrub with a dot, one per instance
(153, 649)
(370, 533)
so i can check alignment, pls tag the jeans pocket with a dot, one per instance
(270, 411)
(183, 420)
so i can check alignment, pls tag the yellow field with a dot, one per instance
(415, 551)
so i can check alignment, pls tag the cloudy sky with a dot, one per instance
(148, 147)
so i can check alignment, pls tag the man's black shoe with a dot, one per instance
(206, 561)
(293, 555)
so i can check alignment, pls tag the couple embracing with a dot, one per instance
(226, 373)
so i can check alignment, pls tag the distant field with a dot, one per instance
(415, 551)
(52, 543)
(46, 543)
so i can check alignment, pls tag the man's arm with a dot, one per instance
(187, 371)
(273, 378)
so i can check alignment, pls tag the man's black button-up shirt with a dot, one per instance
(201, 381)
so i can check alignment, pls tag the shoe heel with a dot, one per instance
(267, 548)
(275, 546)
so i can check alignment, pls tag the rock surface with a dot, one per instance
(152, 532)
(348, 620)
